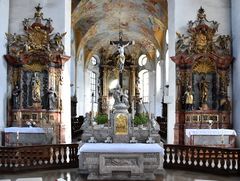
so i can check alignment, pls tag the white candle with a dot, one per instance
(133, 109)
(17, 135)
(149, 111)
(108, 114)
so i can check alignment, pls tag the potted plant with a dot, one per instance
(140, 119)
(102, 119)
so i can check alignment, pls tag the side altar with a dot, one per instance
(211, 137)
(120, 150)
(203, 68)
(35, 62)
(22, 136)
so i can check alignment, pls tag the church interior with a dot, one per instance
(119, 90)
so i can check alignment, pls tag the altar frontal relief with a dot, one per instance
(121, 126)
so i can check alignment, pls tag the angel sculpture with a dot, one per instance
(57, 41)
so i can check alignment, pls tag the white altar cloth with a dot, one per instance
(190, 132)
(24, 130)
(121, 148)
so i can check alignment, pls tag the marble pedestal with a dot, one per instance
(118, 161)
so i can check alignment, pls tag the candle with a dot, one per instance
(149, 113)
(17, 135)
(133, 109)
(109, 114)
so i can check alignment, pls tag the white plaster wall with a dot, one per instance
(159, 89)
(180, 12)
(80, 90)
(60, 12)
(219, 11)
(4, 19)
(235, 4)
(172, 72)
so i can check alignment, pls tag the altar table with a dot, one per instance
(120, 161)
(211, 137)
(20, 136)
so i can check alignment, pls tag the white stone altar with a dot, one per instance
(120, 150)
(120, 161)
(19, 136)
(211, 137)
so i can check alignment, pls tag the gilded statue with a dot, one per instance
(189, 99)
(36, 85)
(201, 41)
(203, 89)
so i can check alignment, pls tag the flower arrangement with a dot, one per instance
(140, 119)
(101, 118)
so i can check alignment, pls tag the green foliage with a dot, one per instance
(102, 118)
(140, 119)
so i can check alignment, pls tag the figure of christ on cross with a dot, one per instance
(120, 46)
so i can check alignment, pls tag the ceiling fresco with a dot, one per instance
(97, 22)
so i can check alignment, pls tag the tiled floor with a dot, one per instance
(73, 175)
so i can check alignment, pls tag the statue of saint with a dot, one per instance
(117, 95)
(189, 99)
(36, 85)
(51, 99)
(203, 89)
(15, 97)
(125, 98)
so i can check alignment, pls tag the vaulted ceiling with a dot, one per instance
(97, 22)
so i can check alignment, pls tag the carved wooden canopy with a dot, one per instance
(36, 44)
(202, 41)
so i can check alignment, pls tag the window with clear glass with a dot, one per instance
(94, 61)
(144, 85)
(142, 60)
(93, 85)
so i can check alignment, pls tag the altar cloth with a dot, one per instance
(190, 132)
(24, 130)
(121, 148)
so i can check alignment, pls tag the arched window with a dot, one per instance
(142, 60)
(93, 61)
(144, 85)
(93, 84)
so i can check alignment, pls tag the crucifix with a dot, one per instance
(121, 57)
